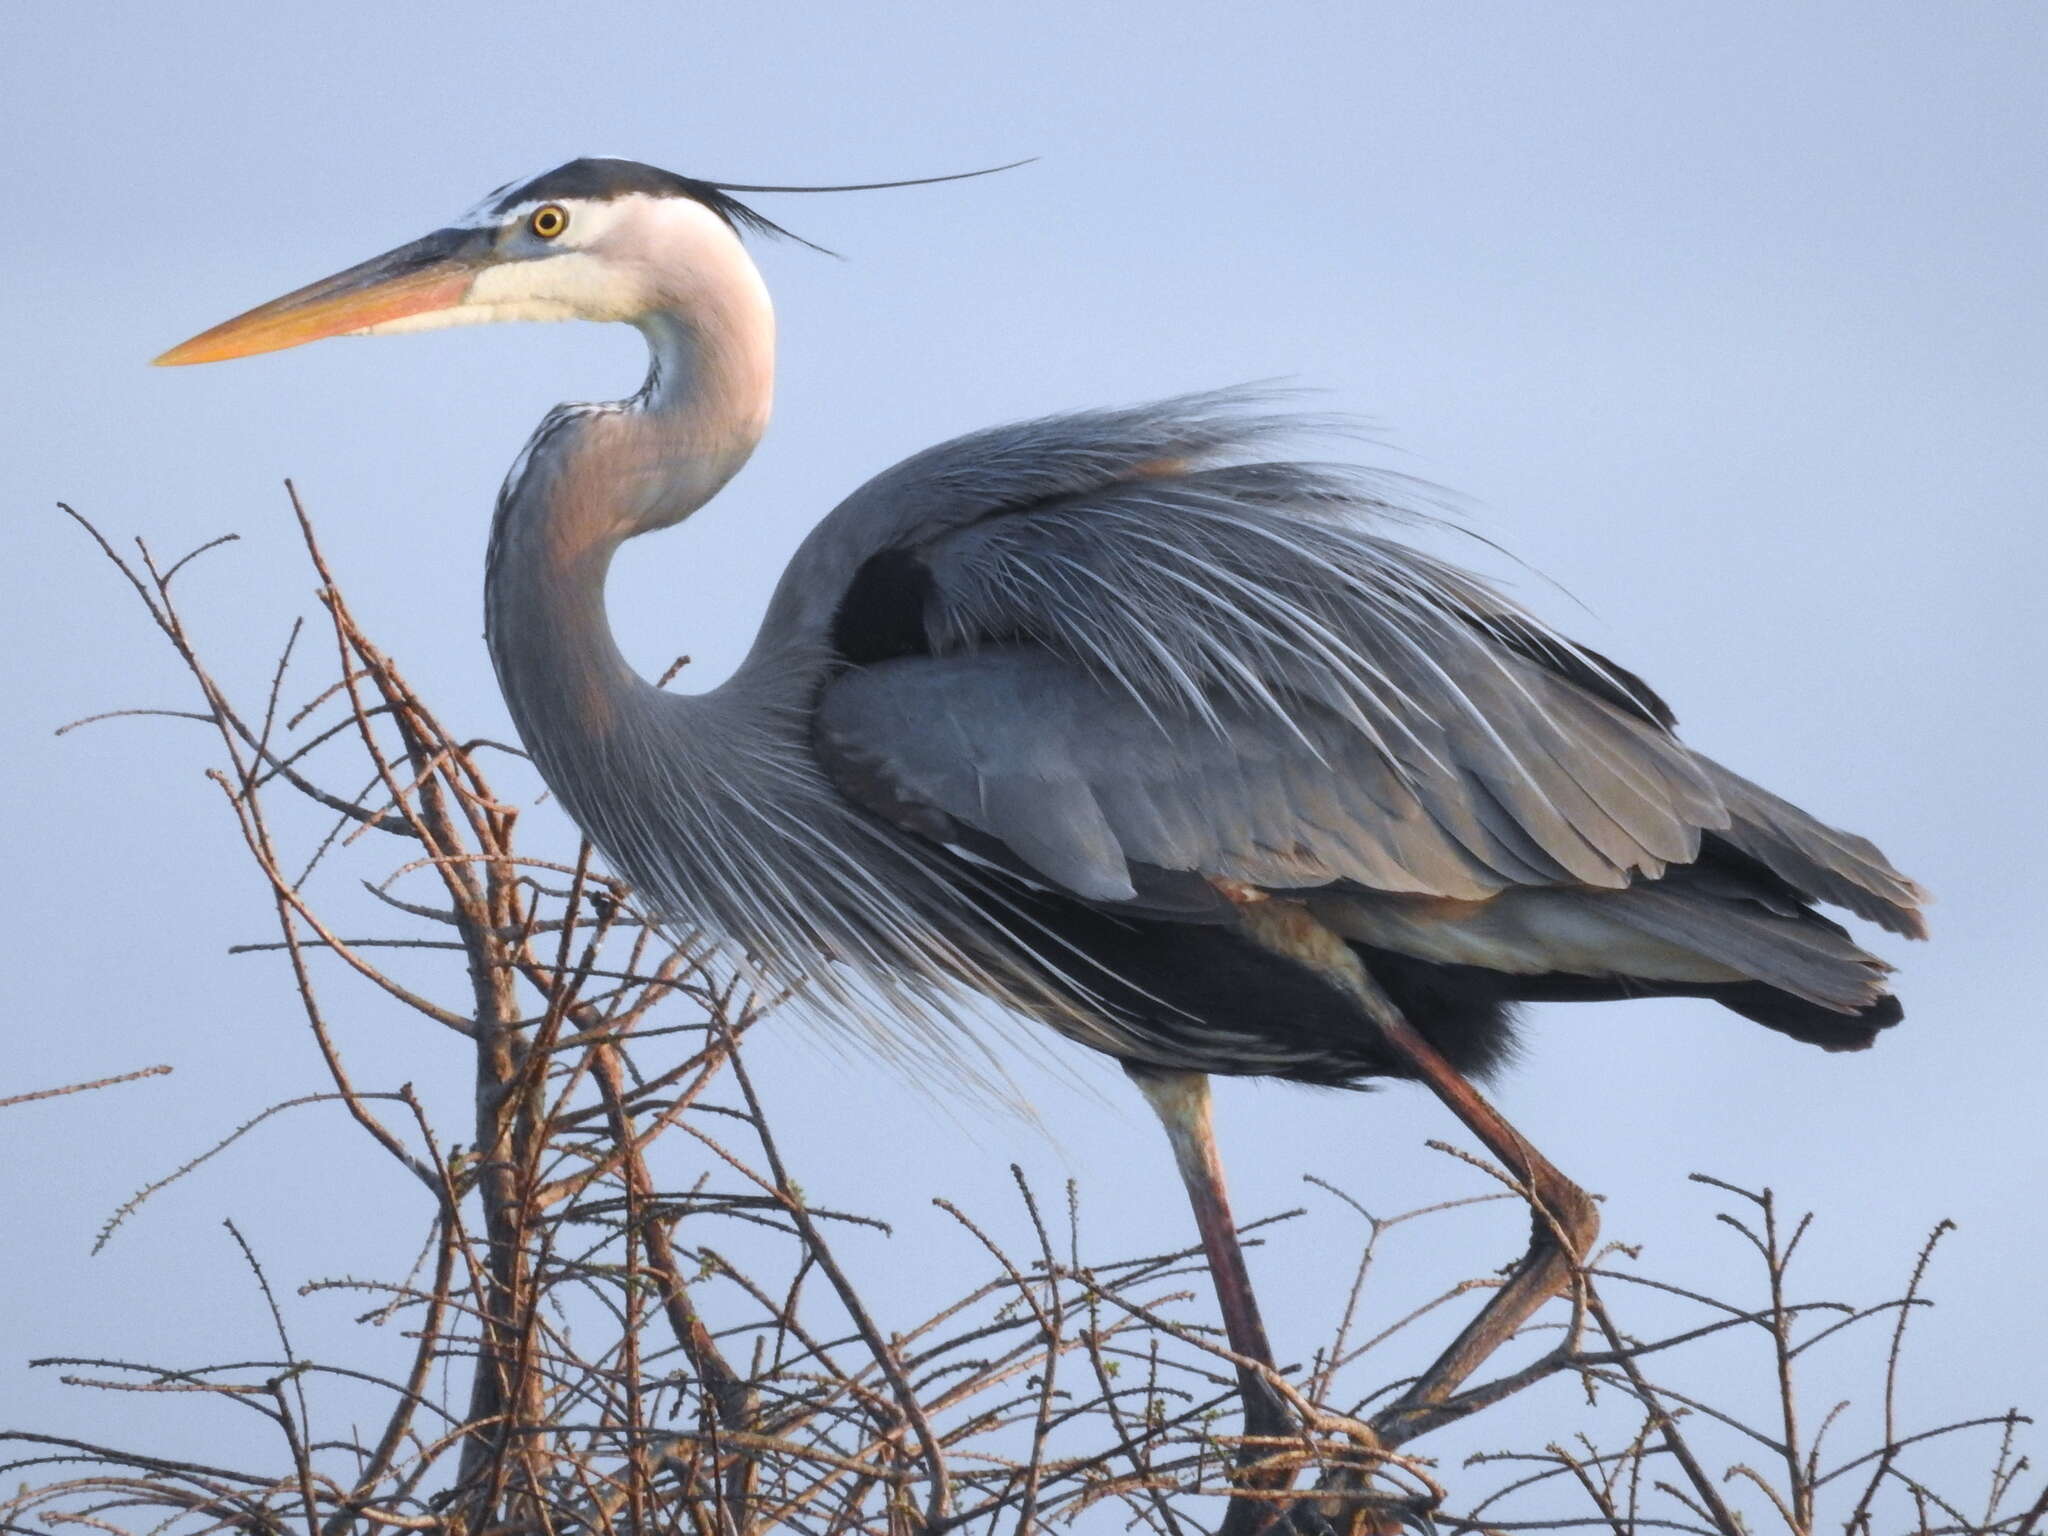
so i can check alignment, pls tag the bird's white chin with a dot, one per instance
(473, 313)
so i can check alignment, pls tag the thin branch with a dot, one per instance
(100, 1082)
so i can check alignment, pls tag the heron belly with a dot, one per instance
(1215, 997)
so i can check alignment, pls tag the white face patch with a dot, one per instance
(616, 259)
(574, 285)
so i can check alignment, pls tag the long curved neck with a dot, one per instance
(595, 476)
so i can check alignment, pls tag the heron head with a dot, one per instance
(594, 239)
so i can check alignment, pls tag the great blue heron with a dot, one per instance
(1112, 718)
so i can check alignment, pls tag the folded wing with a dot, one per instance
(1188, 675)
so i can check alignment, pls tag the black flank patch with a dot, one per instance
(882, 615)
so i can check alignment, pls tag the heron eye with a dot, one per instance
(548, 220)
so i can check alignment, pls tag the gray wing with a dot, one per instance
(1082, 781)
(1153, 661)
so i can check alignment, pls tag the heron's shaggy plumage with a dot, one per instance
(1137, 660)
(1038, 714)
(1122, 720)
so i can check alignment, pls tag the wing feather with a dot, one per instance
(1150, 656)
(1822, 861)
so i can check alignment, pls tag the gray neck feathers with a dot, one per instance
(710, 805)
(592, 477)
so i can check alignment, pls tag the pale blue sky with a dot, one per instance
(1729, 318)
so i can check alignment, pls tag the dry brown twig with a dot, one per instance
(588, 1351)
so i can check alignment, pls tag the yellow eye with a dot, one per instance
(548, 220)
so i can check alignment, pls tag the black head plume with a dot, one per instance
(601, 178)
(717, 196)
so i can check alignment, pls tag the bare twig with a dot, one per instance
(100, 1082)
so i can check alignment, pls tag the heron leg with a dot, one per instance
(1564, 1226)
(1181, 1100)
(1565, 1223)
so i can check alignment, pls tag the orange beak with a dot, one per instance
(429, 274)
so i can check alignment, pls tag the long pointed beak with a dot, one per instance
(431, 273)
